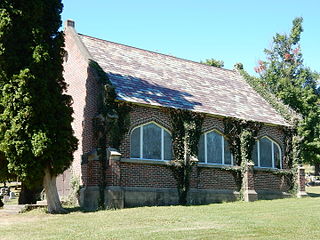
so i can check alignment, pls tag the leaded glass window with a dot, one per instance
(214, 149)
(267, 153)
(151, 141)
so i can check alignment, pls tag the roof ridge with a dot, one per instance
(163, 54)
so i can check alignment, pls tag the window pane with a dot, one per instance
(227, 153)
(135, 143)
(214, 148)
(167, 145)
(254, 154)
(277, 157)
(265, 152)
(201, 149)
(151, 141)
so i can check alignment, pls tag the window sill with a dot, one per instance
(206, 165)
(266, 169)
(145, 161)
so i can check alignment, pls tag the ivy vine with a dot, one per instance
(241, 136)
(110, 124)
(186, 131)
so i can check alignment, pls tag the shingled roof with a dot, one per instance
(146, 77)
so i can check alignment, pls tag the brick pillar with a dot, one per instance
(301, 191)
(114, 164)
(249, 193)
(114, 195)
(91, 170)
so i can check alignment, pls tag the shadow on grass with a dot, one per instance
(71, 209)
(314, 194)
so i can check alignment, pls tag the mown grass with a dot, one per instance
(276, 219)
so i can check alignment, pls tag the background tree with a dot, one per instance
(35, 123)
(285, 76)
(213, 62)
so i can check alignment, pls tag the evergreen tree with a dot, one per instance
(214, 63)
(35, 122)
(285, 75)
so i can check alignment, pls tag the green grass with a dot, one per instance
(276, 219)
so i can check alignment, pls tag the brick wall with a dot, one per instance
(141, 175)
(83, 87)
(158, 176)
(270, 181)
(211, 178)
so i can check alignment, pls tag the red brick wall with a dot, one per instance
(83, 88)
(158, 176)
(138, 175)
(93, 172)
(214, 178)
(270, 181)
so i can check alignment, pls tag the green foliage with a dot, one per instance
(234, 129)
(186, 131)
(35, 119)
(238, 66)
(285, 75)
(247, 142)
(213, 62)
(241, 136)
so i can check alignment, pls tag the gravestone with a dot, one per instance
(12, 195)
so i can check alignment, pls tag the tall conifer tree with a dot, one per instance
(35, 122)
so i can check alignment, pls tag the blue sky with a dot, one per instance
(229, 30)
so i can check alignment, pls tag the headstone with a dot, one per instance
(12, 195)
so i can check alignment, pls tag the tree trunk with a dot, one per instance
(185, 184)
(53, 201)
(317, 169)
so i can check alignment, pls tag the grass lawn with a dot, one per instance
(277, 219)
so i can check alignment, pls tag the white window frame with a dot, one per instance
(141, 141)
(222, 152)
(272, 153)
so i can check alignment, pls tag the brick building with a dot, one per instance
(137, 173)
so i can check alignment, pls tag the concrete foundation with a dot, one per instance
(270, 195)
(117, 197)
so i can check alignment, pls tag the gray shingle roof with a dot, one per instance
(147, 77)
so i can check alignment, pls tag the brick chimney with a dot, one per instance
(69, 23)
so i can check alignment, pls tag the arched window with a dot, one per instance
(150, 141)
(214, 149)
(267, 153)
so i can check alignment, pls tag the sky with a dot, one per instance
(229, 30)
